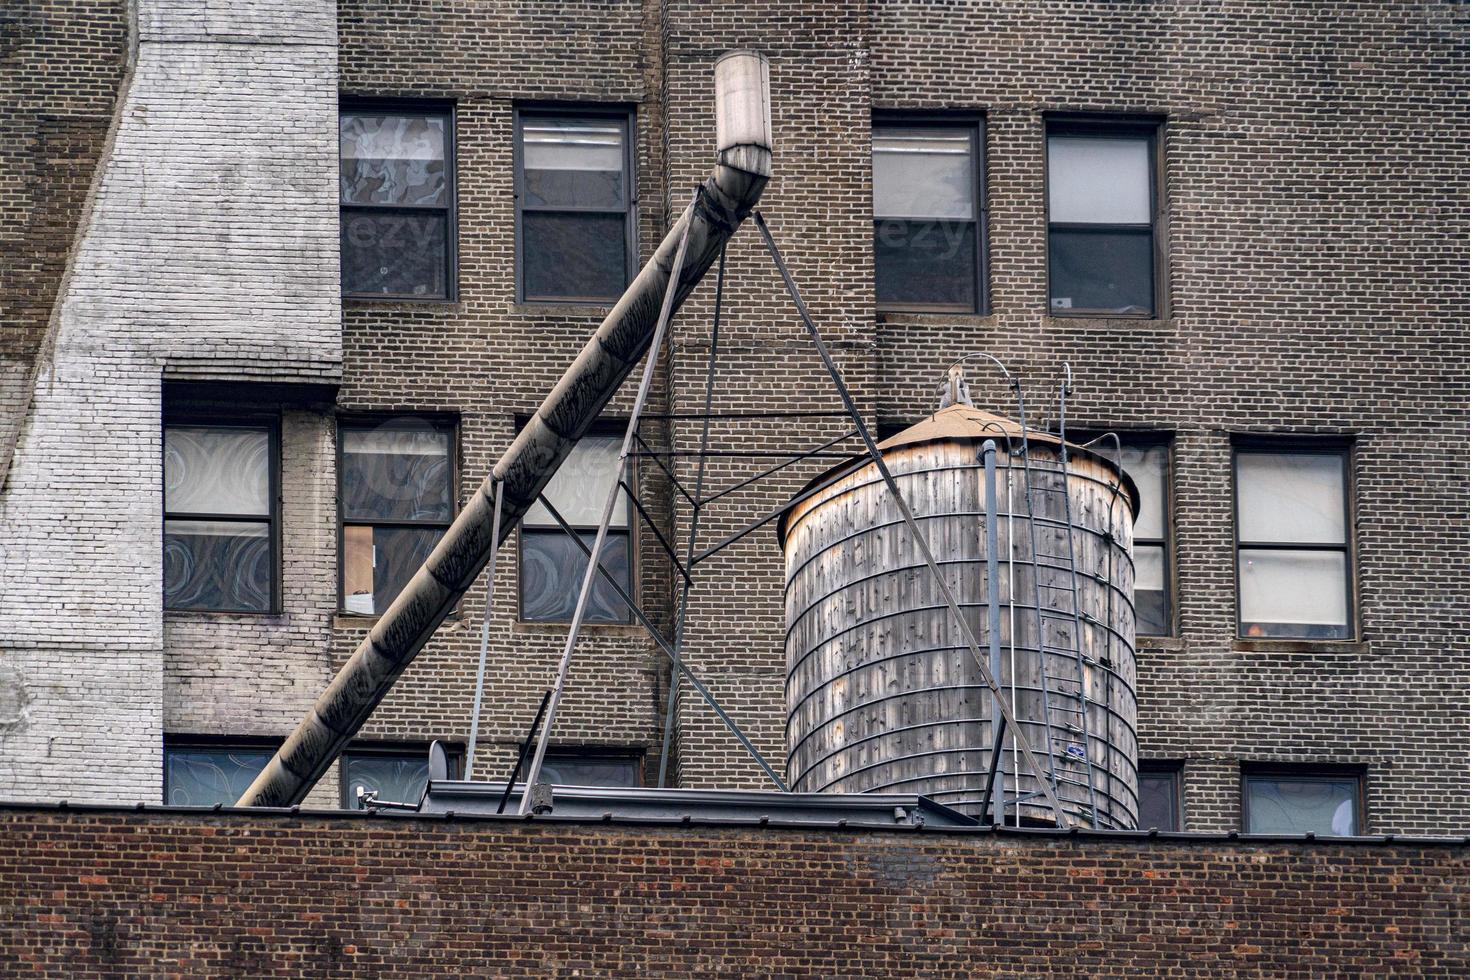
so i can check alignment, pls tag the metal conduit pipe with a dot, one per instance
(722, 202)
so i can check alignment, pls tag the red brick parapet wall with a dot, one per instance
(160, 893)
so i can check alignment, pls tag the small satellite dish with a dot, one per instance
(438, 761)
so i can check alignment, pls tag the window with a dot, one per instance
(928, 197)
(219, 520)
(1159, 799)
(1292, 554)
(397, 193)
(1327, 801)
(206, 773)
(396, 498)
(1148, 464)
(574, 205)
(552, 565)
(592, 767)
(1102, 213)
(397, 774)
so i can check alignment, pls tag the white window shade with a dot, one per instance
(391, 137)
(1148, 569)
(1291, 498)
(568, 144)
(215, 470)
(923, 173)
(1147, 467)
(579, 489)
(1301, 588)
(1099, 180)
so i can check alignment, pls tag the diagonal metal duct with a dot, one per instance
(743, 165)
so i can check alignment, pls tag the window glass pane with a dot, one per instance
(924, 263)
(1147, 466)
(1283, 805)
(224, 565)
(552, 567)
(589, 770)
(571, 162)
(393, 159)
(573, 256)
(395, 778)
(396, 470)
(216, 470)
(923, 173)
(1291, 497)
(1293, 593)
(377, 563)
(206, 776)
(579, 489)
(1099, 180)
(394, 254)
(1158, 803)
(1150, 599)
(1105, 272)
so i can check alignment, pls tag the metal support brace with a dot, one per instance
(913, 525)
(469, 762)
(664, 315)
(992, 576)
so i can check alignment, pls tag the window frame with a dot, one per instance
(453, 751)
(441, 421)
(1160, 440)
(1149, 127)
(975, 124)
(450, 110)
(638, 756)
(600, 428)
(271, 421)
(216, 743)
(1343, 448)
(627, 114)
(1307, 772)
(1174, 769)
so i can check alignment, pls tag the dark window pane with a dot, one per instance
(206, 776)
(394, 254)
(393, 159)
(395, 778)
(572, 162)
(570, 769)
(1105, 272)
(377, 563)
(573, 256)
(1286, 805)
(924, 263)
(221, 565)
(398, 470)
(552, 567)
(1158, 801)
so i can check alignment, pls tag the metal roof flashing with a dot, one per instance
(703, 805)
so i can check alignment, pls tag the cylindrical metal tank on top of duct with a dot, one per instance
(882, 692)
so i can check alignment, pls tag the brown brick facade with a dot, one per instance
(115, 894)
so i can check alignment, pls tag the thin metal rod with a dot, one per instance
(661, 465)
(992, 579)
(918, 536)
(735, 454)
(525, 750)
(760, 522)
(666, 647)
(670, 709)
(778, 468)
(644, 386)
(469, 762)
(738, 416)
(657, 534)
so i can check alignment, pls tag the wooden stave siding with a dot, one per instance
(871, 652)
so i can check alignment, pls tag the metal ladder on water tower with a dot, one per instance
(1065, 710)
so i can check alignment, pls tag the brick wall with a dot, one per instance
(210, 254)
(124, 894)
